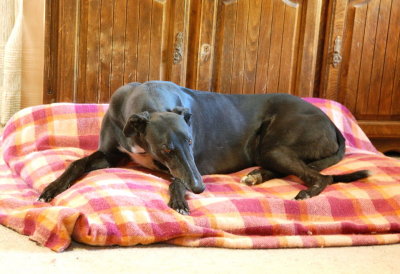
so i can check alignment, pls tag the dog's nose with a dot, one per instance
(198, 187)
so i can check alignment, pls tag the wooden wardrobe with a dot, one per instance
(344, 50)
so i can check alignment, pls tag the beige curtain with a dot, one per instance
(11, 12)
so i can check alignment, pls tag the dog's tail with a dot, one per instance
(333, 159)
(350, 177)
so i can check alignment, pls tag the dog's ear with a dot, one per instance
(136, 124)
(184, 112)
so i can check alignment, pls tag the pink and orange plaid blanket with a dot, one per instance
(128, 205)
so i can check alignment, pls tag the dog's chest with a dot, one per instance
(139, 156)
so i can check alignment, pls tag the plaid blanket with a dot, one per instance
(128, 205)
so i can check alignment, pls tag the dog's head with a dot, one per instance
(167, 137)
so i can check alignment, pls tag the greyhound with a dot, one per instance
(189, 133)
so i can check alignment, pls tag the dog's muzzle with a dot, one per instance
(198, 186)
(187, 172)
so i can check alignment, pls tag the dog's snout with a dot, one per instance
(198, 187)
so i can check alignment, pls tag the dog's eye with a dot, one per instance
(166, 149)
(190, 141)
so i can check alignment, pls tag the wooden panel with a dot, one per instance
(337, 11)
(278, 18)
(265, 46)
(105, 48)
(379, 57)
(367, 77)
(144, 30)
(157, 40)
(118, 45)
(353, 45)
(367, 80)
(250, 60)
(202, 37)
(395, 36)
(131, 42)
(396, 88)
(379, 129)
(257, 46)
(50, 51)
(82, 60)
(288, 61)
(242, 28)
(226, 21)
(388, 90)
(367, 55)
(308, 49)
(67, 43)
(89, 52)
(103, 44)
(177, 50)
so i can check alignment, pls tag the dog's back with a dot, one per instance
(227, 128)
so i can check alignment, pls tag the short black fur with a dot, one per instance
(191, 133)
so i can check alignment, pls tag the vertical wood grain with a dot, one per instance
(51, 37)
(82, 51)
(131, 41)
(66, 50)
(106, 43)
(371, 40)
(157, 38)
(308, 50)
(379, 57)
(335, 27)
(253, 30)
(227, 12)
(144, 42)
(396, 86)
(367, 57)
(393, 40)
(264, 48)
(118, 45)
(274, 61)
(289, 45)
(90, 47)
(178, 16)
(239, 46)
(352, 53)
(201, 44)
(257, 46)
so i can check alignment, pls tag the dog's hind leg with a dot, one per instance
(282, 160)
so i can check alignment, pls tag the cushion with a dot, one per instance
(127, 205)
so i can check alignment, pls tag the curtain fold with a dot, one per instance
(10, 57)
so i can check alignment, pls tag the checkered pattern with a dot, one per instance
(128, 205)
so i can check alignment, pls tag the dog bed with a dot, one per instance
(128, 205)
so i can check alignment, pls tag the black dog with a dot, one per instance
(189, 133)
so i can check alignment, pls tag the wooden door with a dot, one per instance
(95, 46)
(366, 74)
(255, 46)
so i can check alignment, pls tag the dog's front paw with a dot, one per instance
(51, 191)
(179, 205)
(303, 194)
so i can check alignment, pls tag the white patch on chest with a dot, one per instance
(139, 156)
(137, 149)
